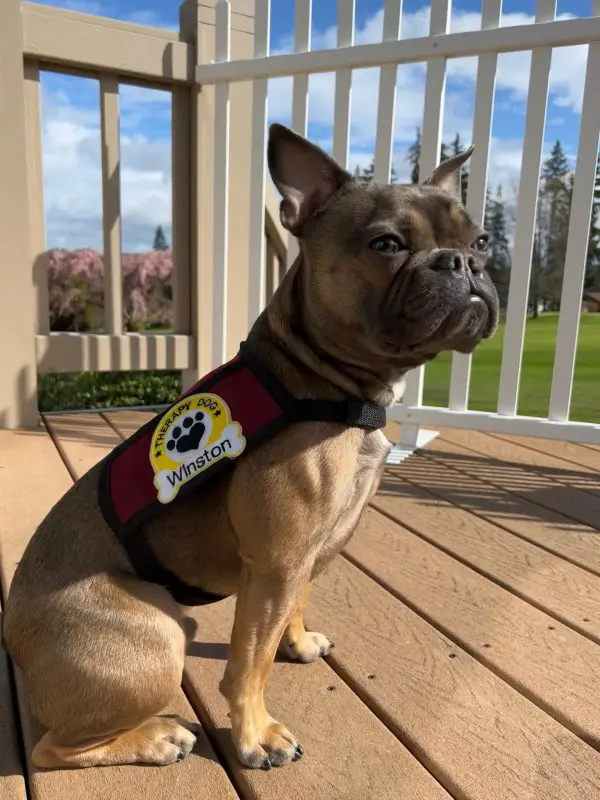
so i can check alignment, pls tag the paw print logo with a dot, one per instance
(188, 434)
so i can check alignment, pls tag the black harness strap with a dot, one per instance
(355, 413)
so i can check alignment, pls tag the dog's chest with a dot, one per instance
(369, 467)
(372, 454)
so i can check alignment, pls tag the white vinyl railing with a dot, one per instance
(540, 38)
(260, 88)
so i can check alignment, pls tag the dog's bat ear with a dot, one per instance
(446, 176)
(305, 176)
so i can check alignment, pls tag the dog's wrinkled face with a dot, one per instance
(393, 271)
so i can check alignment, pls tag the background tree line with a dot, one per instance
(552, 224)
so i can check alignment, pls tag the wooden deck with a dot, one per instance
(466, 616)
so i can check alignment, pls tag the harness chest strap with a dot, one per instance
(224, 415)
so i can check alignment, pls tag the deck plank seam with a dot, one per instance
(594, 448)
(499, 582)
(524, 468)
(209, 730)
(528, 446)
(59, 449)
(362, 693)
(480, 515)
(14, 703)
(106, 418)
(463, 645)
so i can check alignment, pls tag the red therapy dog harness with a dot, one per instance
(224, 415)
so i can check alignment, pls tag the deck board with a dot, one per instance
(473, 731)
(545, 660)
(126, 423)
(576, 454)
(433, 472)
(572, 491)
(558, 587)
(349, 753)
(38, 483)
(547, 464)
(560, 535)
(26, 460)
(465, 616)
(12, 772)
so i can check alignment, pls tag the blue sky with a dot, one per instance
(71, 118)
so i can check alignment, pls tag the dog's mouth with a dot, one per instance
(485, 299)
(476, 320)
(432, 313)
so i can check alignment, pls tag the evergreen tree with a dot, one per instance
(499, 251)
(488, 211)
(160, 240)
(592, 266)
(367, 173)
(446, 151)
(553, 223)
(414, 156)
(457, 147)
(536, 271)
(498, 262)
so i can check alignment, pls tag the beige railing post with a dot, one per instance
(198, 281)
(18, 391)
(197, 26)
(111, 204)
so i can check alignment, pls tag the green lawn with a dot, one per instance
(536, 373)
(110, 389)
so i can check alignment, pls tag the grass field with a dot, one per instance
(536, 373)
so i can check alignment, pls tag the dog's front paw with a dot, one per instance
(272, 745)
(306, 648)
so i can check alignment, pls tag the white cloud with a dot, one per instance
(566, 81)
(72, 146)
(72, 174)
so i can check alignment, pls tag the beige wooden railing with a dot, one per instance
(229, 249)
(35, 38)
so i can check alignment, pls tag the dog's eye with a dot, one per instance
(387, 244)
(481, 244)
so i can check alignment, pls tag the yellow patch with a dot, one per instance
(191, 437)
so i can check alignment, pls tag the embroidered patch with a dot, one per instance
(191, 437)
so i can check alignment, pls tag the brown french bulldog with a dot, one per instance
(388, 276)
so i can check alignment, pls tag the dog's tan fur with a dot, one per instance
(101, 651)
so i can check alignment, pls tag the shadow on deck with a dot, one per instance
(466, 616)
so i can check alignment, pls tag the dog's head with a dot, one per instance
(390, 272)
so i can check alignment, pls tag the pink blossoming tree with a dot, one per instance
(76, 290)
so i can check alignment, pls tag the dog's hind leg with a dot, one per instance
(111, 719)
(298, 644)
(100, 679)
(159, 740)
(263, 608)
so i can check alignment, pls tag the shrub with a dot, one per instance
(76, 293)
(78, 390)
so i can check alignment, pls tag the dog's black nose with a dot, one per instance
(455, 261)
